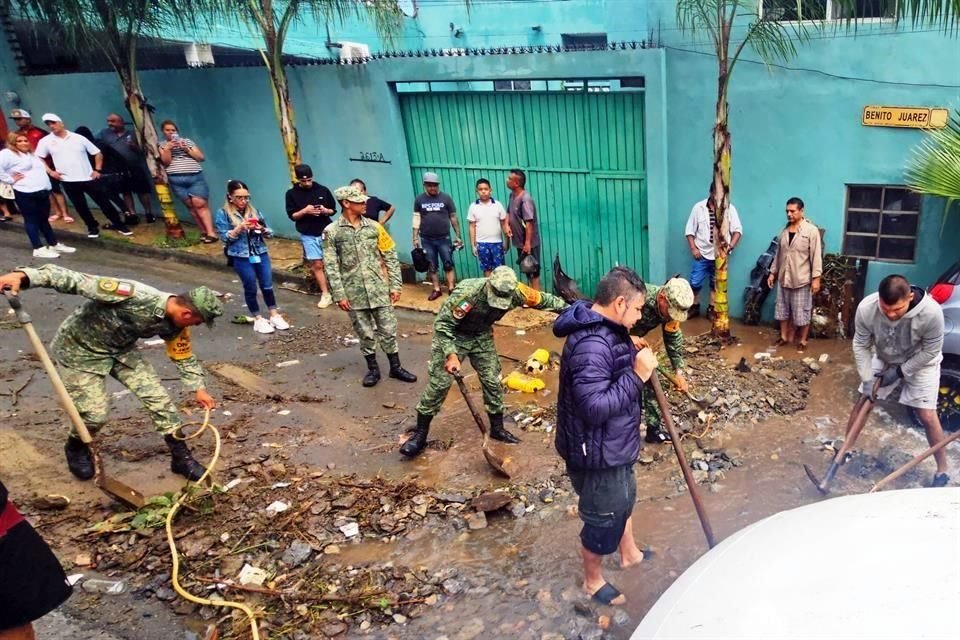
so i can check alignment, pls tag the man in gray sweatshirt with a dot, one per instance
(899, 339)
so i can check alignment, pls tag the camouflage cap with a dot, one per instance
(207, 303)
(500, 287)
(679, 297)
(350, 193)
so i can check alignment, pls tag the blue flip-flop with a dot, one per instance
(606, 594)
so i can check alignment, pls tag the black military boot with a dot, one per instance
(181, 460)
(398, 372)
(373, 371)
(418, 441)
(656, 434)
(79, 458)
(497, 432)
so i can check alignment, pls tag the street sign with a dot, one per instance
(905, 117)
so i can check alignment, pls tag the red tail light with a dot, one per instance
(941, 292)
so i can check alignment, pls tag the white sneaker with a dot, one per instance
(62, 248)
(325, 301)
(45, 252)
(262, 325)
(279, 323)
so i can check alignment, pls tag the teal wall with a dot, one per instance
(798, 133)
(794, 132)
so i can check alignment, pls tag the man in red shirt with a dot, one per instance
(58, 204)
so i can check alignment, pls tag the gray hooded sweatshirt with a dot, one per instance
(913, 342)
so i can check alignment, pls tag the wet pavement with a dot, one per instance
(519, 576)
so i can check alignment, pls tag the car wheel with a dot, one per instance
(948, 401)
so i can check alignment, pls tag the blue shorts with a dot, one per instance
(490, 255)
(441, 248)
(699, 272)
(185, 185)
(607, 497)
(312, 247)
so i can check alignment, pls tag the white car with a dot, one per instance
(874, 566)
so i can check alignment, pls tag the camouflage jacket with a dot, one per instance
(104, 330)
(354, 259)
(672, 335)
(466, 312)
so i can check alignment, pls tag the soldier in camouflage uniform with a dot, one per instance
(100, 338)
(464, 327)
(666, 306)
(357, 249)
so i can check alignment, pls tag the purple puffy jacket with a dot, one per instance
(599, 405)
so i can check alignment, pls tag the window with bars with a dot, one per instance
(881, 223)
(790, 10)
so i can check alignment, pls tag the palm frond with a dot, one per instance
(934, 165)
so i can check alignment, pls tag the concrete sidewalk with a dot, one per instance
(286, 257)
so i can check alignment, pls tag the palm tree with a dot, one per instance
(272, 21)
(112, 28)
(771, 28)
(934, 167)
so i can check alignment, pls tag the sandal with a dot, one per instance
(68, 219)
(607, 594)
(209, 239)
(801, 347)
(780, 342)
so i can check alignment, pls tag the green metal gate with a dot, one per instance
(583, 154)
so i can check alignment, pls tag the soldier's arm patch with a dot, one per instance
(107, 285)
(116, 287)
(531, 297)
(672, 327)
(461, 310)
(179, 346)
(384, 241)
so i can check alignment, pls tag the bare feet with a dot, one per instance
(631, 559)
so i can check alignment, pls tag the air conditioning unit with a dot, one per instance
(354, 51)
(199, 55)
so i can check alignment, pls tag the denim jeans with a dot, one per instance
(35, 209)
(251, 273)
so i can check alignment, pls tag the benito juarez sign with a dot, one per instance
(905, 117)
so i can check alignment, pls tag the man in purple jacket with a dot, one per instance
(599, 407)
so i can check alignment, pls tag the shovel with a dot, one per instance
(111, 486)
(855, 424)
(504, 465)
(682, 459)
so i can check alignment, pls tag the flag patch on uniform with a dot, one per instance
(109, 285)
(124, 288)
(461, 310)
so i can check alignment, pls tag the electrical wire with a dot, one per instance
(172, 543)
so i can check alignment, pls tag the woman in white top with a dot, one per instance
(182, 158)
(28, 175)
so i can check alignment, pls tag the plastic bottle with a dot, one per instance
(109, 587)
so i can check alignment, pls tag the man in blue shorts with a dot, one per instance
(700, 232)
(311, 206)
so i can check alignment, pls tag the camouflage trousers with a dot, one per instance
(379, 323)
(483, 356)
(651, 410)
(89, 394)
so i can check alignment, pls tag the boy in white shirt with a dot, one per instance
(489, 231)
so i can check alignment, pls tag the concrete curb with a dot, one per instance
(105, 241)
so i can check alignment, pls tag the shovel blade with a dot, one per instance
(123, 493)
(815, 480)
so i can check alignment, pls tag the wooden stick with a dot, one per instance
(682, 459)
(917, 460)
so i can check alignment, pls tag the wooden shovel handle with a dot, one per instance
(65, 400)
(917, 460)
(473, 409)
(682, 459)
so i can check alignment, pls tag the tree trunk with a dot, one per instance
(146, 132)
(284, 110)
(721, 199)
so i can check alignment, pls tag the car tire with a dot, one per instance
(948, 401)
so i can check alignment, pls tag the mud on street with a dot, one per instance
(337, 536)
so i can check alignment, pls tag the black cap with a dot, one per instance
(303, 171)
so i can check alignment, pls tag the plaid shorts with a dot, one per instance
(795, 305)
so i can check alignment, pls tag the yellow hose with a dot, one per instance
(174, 554)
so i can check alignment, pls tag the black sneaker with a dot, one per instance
(151, 219)
(124, 231)
(93, 233)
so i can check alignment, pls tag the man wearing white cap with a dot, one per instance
(25, 126)
(69, 153)
(433, 214)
